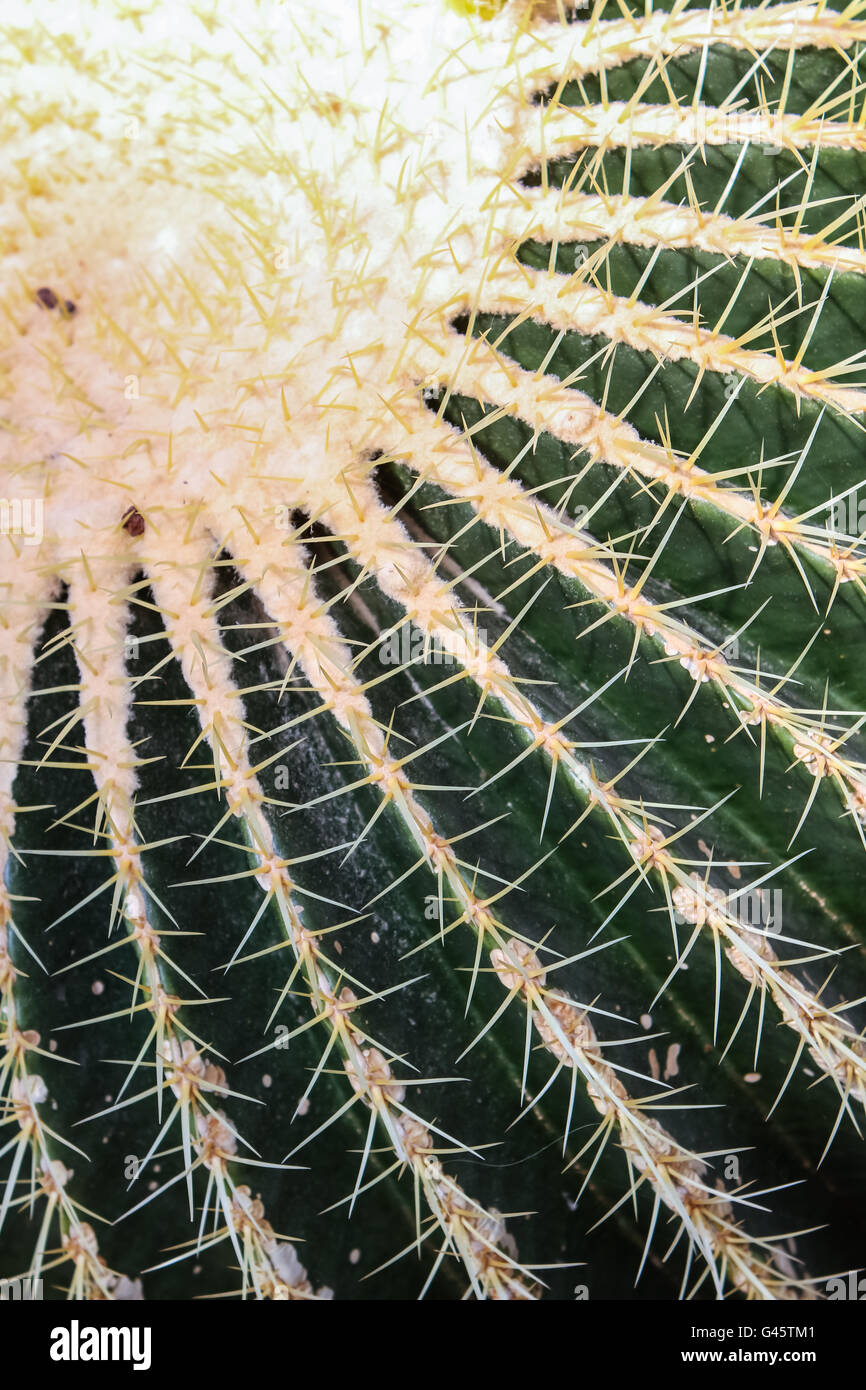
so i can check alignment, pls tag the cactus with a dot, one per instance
(432, 786)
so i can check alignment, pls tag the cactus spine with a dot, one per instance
(431, 583)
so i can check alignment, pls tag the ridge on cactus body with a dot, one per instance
(432, 778)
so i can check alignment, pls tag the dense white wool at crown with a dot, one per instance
(255, 219)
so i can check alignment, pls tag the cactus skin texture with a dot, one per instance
(431, 649)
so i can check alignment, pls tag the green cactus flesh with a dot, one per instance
(432, 781)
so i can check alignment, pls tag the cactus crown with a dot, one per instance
(431, 580)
